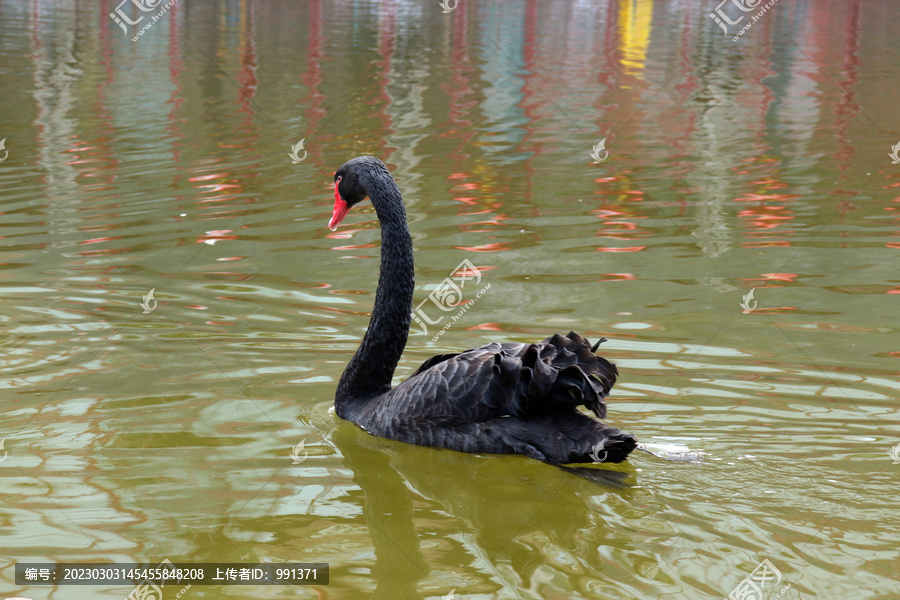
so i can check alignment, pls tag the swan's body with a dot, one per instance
(510, 398)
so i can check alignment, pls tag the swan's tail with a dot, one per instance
(555, 376)
(566, 438)
(565, 371)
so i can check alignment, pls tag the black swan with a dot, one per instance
(509, 398)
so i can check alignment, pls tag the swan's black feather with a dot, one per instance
(506, 398)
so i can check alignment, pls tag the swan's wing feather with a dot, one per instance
(511, 379)
(508, 398)
(437, 358)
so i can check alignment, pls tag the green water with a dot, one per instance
(761, 164)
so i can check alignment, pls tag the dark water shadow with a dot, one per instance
(500, 500)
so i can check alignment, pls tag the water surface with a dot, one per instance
(760, 164)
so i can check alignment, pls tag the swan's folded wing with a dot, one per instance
(458, 388)
(509, 379)
(437, 358)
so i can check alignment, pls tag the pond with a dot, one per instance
(717, 200)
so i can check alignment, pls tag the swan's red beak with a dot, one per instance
(340, 209)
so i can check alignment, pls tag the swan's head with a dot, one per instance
(352, 183)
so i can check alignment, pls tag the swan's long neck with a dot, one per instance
(372, 367)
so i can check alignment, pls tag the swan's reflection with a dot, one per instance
(452, 519)
(388, 509)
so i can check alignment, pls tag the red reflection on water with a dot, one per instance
(465, 273)
(176, 67)
(102, 252)
(846, 108)
(218, 187)
(772, 277)
(615, 226)
(101, 239)
(495, 247)
(207, 177)
(312, 77)
(246, 77)
(458, 89)
(767, 220)
(619, 277)
(788, 277)
(353, 247)
(625, 249)
(496, 221)
(214, 236)
(893, 209)
(484, 327)
(343, 234)
(612, 232)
